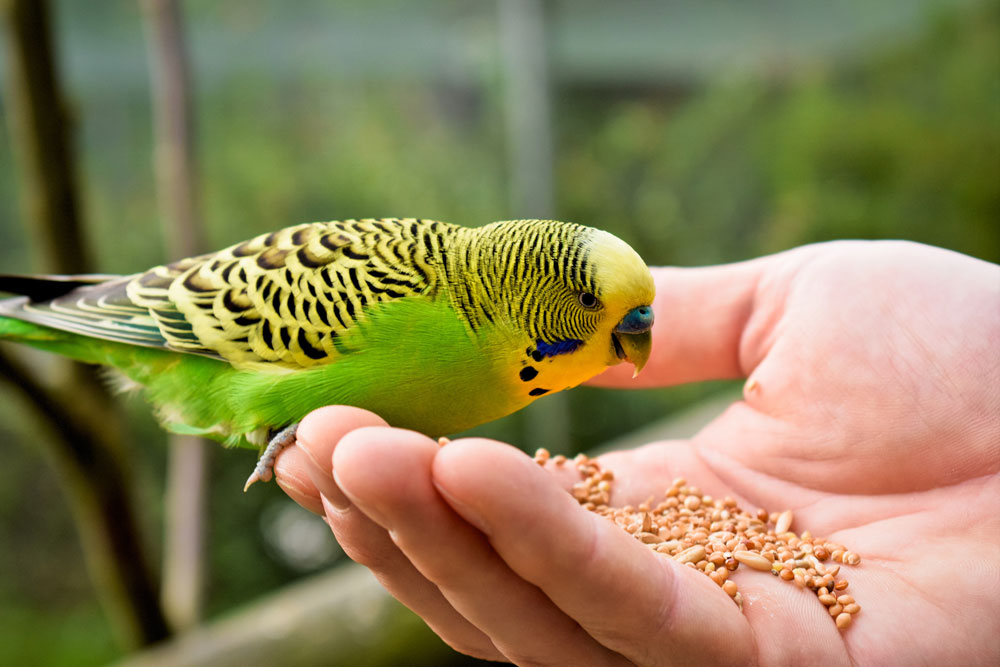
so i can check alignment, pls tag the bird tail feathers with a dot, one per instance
(44, 288)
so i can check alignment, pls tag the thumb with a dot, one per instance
(700, 316)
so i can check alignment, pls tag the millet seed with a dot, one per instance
(714, 536)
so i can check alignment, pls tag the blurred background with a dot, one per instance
(700, 131)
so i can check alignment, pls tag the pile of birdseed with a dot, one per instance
(715, 536)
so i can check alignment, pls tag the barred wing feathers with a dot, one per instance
(279, 300)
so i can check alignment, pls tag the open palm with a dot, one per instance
(871, 410)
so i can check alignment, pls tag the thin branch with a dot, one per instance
(86, 444)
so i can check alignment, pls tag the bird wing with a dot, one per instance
(91, 305)
(281, 299)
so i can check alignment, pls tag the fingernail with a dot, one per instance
(337, 502)
(464, 510)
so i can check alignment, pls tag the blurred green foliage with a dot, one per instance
(901, 143)
(891, 140)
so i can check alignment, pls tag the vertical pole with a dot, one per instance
(527, 107)
(528, 112)
(184, 530)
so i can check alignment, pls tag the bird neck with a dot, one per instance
(500, 274)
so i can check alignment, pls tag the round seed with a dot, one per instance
(843, 620)
(715, 536)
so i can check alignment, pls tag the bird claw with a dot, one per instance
(260, 474)
(263, 472)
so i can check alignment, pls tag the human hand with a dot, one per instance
(870, 411)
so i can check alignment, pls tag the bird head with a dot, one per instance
(581, 297)
(623, 294)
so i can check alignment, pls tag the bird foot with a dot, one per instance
(263, 472)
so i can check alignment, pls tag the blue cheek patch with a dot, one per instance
(555, 349)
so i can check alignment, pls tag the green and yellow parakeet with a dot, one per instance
(433, 326)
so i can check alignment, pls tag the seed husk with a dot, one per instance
(784, 522)
(754, 560)
(715, 536)
(692, 554)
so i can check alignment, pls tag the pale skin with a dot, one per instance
(871, 409)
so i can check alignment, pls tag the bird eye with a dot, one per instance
(587, 300)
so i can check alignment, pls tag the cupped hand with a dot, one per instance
(870, 410)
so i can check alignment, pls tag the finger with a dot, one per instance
(632, 600)
(291, 472)
(700, 316)
(317, 437)
(368, 544)
(305, 471)
(399, 495)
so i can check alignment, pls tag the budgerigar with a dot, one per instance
(433, 326)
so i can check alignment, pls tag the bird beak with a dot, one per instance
(632, 340)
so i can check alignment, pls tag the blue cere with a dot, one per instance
(557, 348)
(638, 320)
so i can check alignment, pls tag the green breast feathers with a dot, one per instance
(434, 326)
